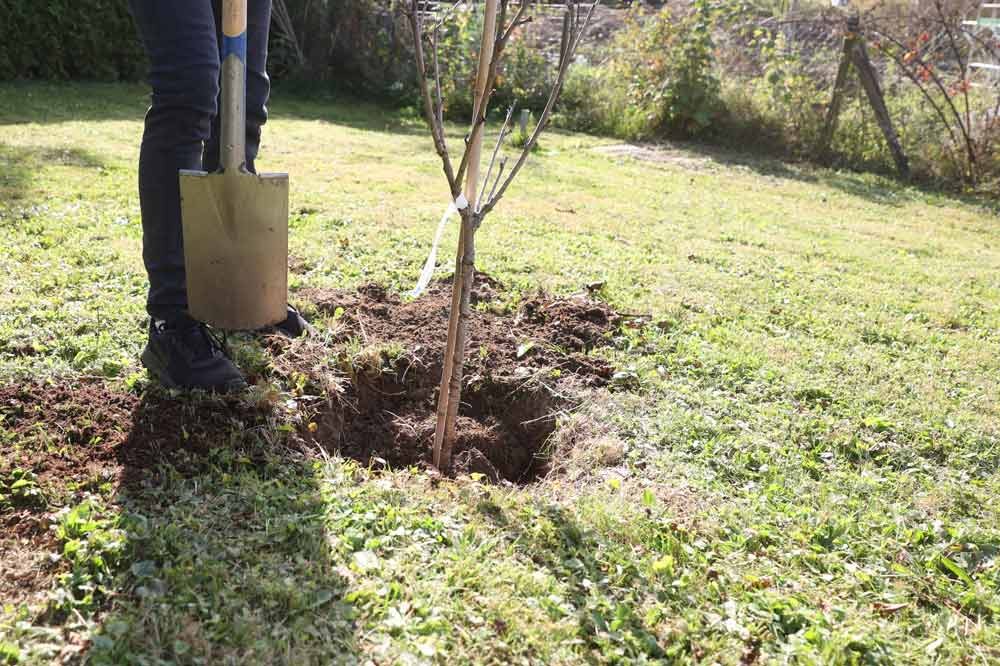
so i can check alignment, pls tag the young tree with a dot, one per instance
(500, 21)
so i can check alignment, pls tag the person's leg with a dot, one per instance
(180, 42)
(258, 83)
(179, 37)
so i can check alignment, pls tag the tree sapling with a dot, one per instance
(475, 202)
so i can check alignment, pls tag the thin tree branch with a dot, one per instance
(518, 21)
(447, 15)
(962, 69)
(437, 80)
(970, 151)
(496, 181)
(496, 151)
(431, 115)
(498, 49)
(543, 119)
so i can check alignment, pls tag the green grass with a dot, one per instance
(805, 463)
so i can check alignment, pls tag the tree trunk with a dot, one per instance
(450, 395)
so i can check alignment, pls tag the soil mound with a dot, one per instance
(73, 435)
(63, 432)
(524, 365)
(540, 332)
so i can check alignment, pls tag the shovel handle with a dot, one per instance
(234, 86)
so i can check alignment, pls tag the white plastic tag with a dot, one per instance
(461, 203)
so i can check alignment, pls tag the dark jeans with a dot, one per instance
(183, 41)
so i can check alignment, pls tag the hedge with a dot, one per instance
(69, 39)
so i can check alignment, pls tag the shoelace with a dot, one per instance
(195, 332)
(221, 343)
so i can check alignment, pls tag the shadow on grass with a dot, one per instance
(43, 102)
(226, 542)
(875, 185)
(19, 166)
(24, 102)
(348, 111)
(605, 595)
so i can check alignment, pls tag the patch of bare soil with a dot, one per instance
(76, 436)
(522, 369)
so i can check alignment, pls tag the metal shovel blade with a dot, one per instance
(236, 247)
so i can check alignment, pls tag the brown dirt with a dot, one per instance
(522, 369)
(77, 435)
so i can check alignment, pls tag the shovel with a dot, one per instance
(235, 222)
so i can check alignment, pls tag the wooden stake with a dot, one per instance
(833, 112)
(869, 81)
(856, 54)
(450, 394)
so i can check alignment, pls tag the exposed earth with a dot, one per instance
(368, 391)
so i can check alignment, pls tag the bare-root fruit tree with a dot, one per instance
(476, 191)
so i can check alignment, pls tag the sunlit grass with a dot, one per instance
(808, 451)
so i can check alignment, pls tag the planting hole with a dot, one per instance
(525, 366)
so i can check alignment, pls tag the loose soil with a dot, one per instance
(525, 366)
(83, 436)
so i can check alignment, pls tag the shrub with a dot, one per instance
(658, 80)
(685, 89)
(781, 103)
(779, 107)
(591, 102)
(361, 46)
(61, 39)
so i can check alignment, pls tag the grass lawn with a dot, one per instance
(797, 460)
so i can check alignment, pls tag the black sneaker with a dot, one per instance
(294, 325)
(184, 354)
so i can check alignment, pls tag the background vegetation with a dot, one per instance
(755, 73)
(796, 463)
(63, 39)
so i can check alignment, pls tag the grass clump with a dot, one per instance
(799, 463)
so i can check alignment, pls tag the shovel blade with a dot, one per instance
(236, 247)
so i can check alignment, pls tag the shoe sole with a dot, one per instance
(155, 367)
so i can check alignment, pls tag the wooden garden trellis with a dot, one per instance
(856, 56)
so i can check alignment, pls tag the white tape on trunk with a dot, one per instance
(461, 203)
